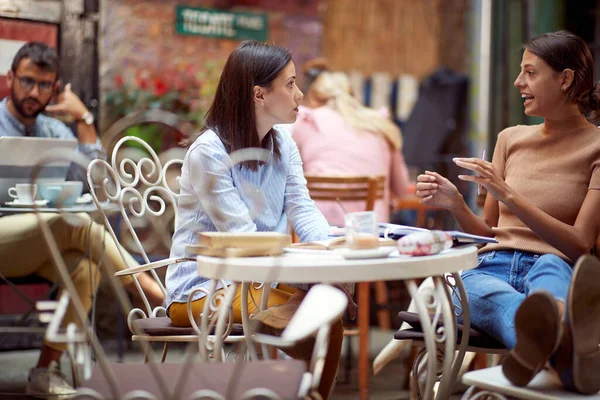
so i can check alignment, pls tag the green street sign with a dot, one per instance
(221, 23)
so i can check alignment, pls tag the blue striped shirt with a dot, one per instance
(46, 126)
(241, 200)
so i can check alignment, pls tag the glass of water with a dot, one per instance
(361, 230)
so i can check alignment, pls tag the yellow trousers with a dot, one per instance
(82, 243)
(279, 295)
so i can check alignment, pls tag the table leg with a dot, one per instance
(437, 302)
(251, 349)
(264, 300)
(454, 282)
(363, 339)
(222, 320)
(204, 340)
(446, 335)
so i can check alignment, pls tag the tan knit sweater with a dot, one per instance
(554, 172)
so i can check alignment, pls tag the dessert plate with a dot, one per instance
(380, 252)
(84, 199)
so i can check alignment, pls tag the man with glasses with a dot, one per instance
(33, 80)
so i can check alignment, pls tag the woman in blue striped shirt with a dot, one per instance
(257, 90)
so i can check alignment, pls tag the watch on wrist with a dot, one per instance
(88, 118)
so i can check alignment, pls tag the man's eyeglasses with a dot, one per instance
(28, 83)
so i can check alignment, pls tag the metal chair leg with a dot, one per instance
(164, 352)
(74, 372)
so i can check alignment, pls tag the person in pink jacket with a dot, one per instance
(341, 137)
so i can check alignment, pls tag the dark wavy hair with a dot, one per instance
(232, 114)
(40, 55)
(561, 50)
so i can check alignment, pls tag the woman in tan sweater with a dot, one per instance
(544, 195)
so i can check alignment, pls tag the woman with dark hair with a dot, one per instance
(257, 90)
(542, 206)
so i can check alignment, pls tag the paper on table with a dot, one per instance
(395, 231)
(463, 237)
(335, 243)
(327, 244)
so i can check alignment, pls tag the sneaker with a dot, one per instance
(49, 382)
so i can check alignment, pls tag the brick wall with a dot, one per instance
(138, 41)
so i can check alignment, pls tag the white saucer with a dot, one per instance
(17, 203)
(84, 199)
(301, 250)
(380, 252)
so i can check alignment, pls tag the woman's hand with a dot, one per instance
(437, 191)
(487, 176)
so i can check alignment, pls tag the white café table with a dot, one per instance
(331, 267)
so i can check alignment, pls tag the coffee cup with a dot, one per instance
(23, 192)
(61, 193)
(361, 230)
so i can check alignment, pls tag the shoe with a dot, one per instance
(49, 382)
(583, 320)
(274, 320)
(538, 330)
(277, 316)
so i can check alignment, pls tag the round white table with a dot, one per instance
(331, 267)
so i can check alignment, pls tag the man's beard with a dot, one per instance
(21, 110)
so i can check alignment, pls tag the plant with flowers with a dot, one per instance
(184, 89)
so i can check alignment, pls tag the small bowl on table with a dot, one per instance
(61, 194)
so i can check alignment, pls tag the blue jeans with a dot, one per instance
(502, 280)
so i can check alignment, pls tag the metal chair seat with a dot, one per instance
(478, 340)
(162, 326)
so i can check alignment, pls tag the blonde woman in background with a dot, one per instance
(340, 136)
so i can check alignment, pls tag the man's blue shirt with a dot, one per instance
(47, 127)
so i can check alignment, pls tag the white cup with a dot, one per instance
(23, 192)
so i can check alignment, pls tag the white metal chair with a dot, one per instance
(140, 188)
(411, 332)
(132, 186)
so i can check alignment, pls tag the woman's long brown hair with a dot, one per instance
(231, 115)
